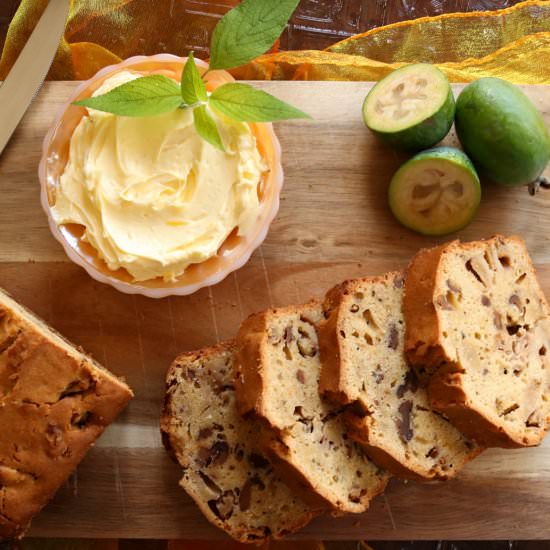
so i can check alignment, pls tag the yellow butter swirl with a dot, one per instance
(153, 196)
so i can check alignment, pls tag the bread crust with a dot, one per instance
(448, 397)
(331, 384)
(358, 431)
(422, 323)
(278, 453)
(426, 352)
(249, 383)
(54, 403)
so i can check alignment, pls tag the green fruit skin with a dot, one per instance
(424, 134)
(446, 153)
(451, 154)
(502, 132)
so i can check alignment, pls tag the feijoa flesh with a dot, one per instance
(436, 192)
(412, 108)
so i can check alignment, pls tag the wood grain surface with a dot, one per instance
(333, 224)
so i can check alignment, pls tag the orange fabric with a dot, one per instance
(513, 43)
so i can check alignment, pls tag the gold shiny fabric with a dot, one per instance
(512, 43)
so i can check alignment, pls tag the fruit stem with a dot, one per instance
(534, 186)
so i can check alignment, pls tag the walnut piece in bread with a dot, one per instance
(478, 327)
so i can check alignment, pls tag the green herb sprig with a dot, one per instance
(244, 33)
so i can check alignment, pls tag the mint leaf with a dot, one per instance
(146, 96)
(193, 88)
(247, 104)
(206, 127)
(248, 30)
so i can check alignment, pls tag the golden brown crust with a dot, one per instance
(448, 397)
(422, 327)
(277, 452)
(358, 431)
(428, 357)
(295, 478)
(248, 378)
(54, 404)
(330, 383)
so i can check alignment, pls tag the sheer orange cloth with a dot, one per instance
(512, 43)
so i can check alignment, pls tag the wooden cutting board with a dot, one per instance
(333, 224)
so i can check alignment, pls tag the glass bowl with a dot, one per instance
(234, 252)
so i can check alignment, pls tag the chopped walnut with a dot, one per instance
(224, 506)
(306, 345)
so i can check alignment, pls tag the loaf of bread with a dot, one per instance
(54, 403)
(362, 352)
(224, 471)
(278, 381)
(478, 327)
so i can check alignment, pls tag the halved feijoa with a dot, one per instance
(436, 192)
(412, 108)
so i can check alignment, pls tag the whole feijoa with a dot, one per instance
(502, 132)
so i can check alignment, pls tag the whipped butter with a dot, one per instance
(153, 196)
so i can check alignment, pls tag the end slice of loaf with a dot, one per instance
(224, 472)
(278, 379)
(478, 325)
(54, 403)
(362, 351)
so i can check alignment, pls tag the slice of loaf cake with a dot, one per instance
(224, 472)
(478, 324)
(362, 351)
(278, 380)
(54, 403)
